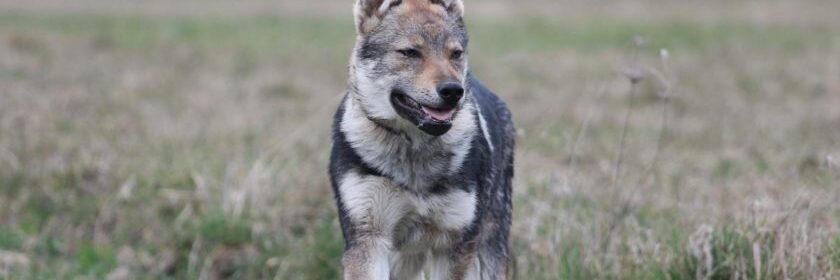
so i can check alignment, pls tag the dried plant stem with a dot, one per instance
(625, 208)
(666, 109)
(619, 161)
(634, 77)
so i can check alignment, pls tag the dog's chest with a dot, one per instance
(413, 167)
(412, 221)
(433, 222)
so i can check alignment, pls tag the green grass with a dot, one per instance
(95, 260)
(262, 32)
(126, 140)
(216, 228)
(9, 239)
(525, 35)
(834, 250)
(539, 34)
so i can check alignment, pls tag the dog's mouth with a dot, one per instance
(435, 121)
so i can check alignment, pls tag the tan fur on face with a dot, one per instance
(453, 7)
(436, 70)
(436, 66)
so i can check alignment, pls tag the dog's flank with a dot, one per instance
(422, 156)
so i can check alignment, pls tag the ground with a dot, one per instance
(656, 139)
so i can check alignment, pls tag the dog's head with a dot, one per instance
(410, 62)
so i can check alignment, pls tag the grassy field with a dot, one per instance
(179, 145)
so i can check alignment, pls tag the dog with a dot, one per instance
(422, 158)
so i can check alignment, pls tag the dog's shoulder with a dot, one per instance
(343, 157)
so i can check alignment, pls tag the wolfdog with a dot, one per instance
(422, 155)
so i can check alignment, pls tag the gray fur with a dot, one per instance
(409, 200)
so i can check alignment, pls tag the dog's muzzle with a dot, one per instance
(434, 121)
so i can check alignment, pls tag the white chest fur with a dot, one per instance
(409, 222)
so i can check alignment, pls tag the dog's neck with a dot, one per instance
(403, 153)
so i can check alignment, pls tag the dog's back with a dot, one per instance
(495, 193)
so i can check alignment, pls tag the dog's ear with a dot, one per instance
(455, 8)
(368, 13)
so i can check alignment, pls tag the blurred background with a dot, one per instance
(189, 139)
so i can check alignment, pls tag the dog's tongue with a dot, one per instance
(439, 114)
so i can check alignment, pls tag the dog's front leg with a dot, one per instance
(366, 259)
(373, 206)
(455, 265)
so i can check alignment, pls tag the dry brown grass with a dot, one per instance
(188, 145)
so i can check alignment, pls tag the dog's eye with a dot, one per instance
(456, 54)
(412, 53)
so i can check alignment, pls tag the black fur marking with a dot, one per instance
(343, 160)
(488, 172)
(495, 200)
(395, 3)
(372, 49)
(434, 128)
(439, 189)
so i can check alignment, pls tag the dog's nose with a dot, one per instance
(451, 92)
